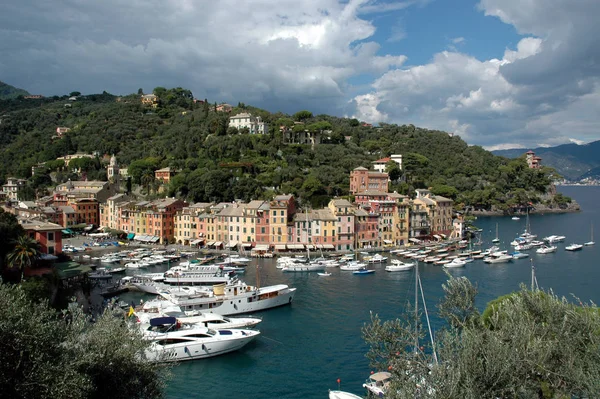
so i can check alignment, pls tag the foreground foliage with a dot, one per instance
(43, 355)
(533, 344)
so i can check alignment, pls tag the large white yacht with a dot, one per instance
(173, 341)
(161, 308)
(236, 298)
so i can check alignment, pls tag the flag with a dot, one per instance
(130, 311)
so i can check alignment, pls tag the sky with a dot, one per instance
(498, 73)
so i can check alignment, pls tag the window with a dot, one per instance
(51, 250)
(50, 236)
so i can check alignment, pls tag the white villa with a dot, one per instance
(244, 120)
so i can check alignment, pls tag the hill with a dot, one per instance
(7, 91)
(216, 162)
(572, 161)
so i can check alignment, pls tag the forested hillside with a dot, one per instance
(8, 92)
(219, 163)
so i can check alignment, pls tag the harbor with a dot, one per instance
(318, 338)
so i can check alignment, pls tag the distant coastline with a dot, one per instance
(573, 207)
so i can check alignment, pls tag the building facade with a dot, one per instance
(362, 179)
(254, 124)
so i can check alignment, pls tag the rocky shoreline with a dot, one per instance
(538, 210)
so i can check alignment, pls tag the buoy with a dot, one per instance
(338, 380)
(372, 372)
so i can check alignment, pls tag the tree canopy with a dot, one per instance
(43, 355)
(191, 137)
(530, 344)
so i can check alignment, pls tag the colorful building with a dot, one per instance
(362, 179)
(49, 235)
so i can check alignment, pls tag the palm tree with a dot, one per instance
(25, 253)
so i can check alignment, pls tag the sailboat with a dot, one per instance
(591, 241)
(378, 383)
(495, 240)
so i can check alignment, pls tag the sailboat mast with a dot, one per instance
(416, 306)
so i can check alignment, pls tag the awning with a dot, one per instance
(210, 244)
(319, 246)
(247, 245)
(295, 246)
(130, 236)
(218, 244)
(140, 238)
(387, 242)
(66, 231)
(280, 247)
(261, 248)
(196, 242)
(328, 246)
(155, 239)
(232, 244)
(310, 246)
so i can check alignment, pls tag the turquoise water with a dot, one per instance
(306, 347)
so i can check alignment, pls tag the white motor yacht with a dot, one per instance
(377, 258)
(236, 298)
(544, 249)
(552, 239)
(502, 258)
(573, 247)
(455, 263)
(173, 341)
(161, 308)
(519, 255)
(343, 395)
(304, 267)
(378, 383)
(399, 266)
(352, 266)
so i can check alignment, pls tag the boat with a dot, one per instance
(153, 309)
(591, 241)
(498, 258)
(378, 383)
(173, 341)
(343, 395)
(100, 275)
(519, 255)
(230, 299)
(552, 239)
(516, 218)
(352, 266)
(573, 247)
(324, 274)
(304, 267)
(496, 240)
(377, 258)
(455, 263)
(545, 249)
(398, 266)
(363, 271)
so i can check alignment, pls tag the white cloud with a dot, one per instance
(271, 53)
(534, 94)
(458, 40)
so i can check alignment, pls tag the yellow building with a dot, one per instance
(281, 207)
(400, 219)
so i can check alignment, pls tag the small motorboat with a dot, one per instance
(363, 271)
(324, 274)
(516, 218)
(544, 249)
(343, 395)
(573, 247)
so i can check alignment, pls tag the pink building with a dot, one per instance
(344, 212)
(362, 179)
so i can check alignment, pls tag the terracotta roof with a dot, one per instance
(383, 160)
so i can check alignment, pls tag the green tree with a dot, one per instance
(74, 94)
(533, 345)
(25, 253)
(303, 115)
(43, 356)
(10, 231)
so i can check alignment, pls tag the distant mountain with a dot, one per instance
(7, 91)
(573, 161)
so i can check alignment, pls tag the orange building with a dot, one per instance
(362, 179)
(49, 235)
(164, 175)
(87, 210)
